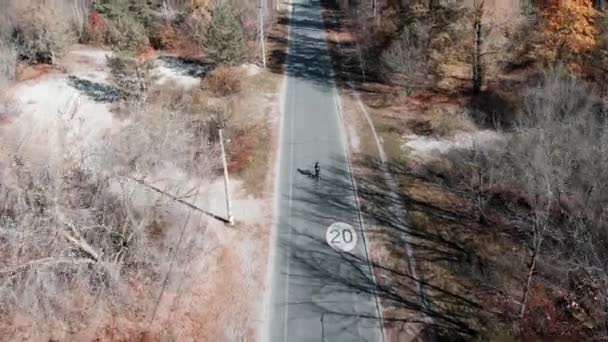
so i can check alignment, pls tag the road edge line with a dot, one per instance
(391, 183)
(264, 333)
(358, 204)
(345, 143)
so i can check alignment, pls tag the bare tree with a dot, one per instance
(479, 171)
(8, 61)
(408, 56)
(40, 34)
(554, 161)
(477, 46)
(76, 229)
(556, 113)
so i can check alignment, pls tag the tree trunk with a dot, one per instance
(477, 66)
(524, 302)
(538, 240)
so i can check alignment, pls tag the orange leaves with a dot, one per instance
(96, 29)
(568, 25)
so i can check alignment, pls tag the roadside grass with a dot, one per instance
(264, 82)
(445, 123)
(253, 112)
(255, 159)
(277, 43)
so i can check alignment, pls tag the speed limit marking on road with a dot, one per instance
(341, 236)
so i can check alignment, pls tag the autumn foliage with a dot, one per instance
(96, 29)
(566, 26)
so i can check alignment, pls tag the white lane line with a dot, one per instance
(291, 152)
(268, 308)
(269, 305)
(364, 237)
(398, 207)
(289, 228)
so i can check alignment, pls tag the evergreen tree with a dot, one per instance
(127, 35)
(225, 42)
(130, 74)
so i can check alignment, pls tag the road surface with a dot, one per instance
(318, 293)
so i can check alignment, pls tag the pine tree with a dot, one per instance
(127, 35)
(130, 74)
(225, 42)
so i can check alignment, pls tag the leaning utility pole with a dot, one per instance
(262, 40)
(226, 190)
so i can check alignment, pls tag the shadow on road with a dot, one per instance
(453, 317)
(307, 56)
(443, 314)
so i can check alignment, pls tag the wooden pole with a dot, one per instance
(226, 188)
(262, 40)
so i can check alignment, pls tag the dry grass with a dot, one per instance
(84, 248)
(8, 62)
(445, 122)
(250, 157)
(40, 33)
(223, 81)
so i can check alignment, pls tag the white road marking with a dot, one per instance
(273, 245)
(286, 326)
(338, 102)
(400, 208)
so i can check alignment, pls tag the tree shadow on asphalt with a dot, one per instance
(452, 316)
(443, 314)
(307, 57)
(316, 59)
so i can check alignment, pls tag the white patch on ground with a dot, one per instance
(245, 207)
(251, 69)
(353, 137)
(73, 110)
(167, 75)
(179, 72)
(56, 118)
(429, 148)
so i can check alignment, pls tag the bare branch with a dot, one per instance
(44, 262)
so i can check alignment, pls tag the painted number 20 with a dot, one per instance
(341, 236)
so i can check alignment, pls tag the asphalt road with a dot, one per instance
(318, 293)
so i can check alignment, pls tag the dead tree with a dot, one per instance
(539, 228)
(477, 48)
